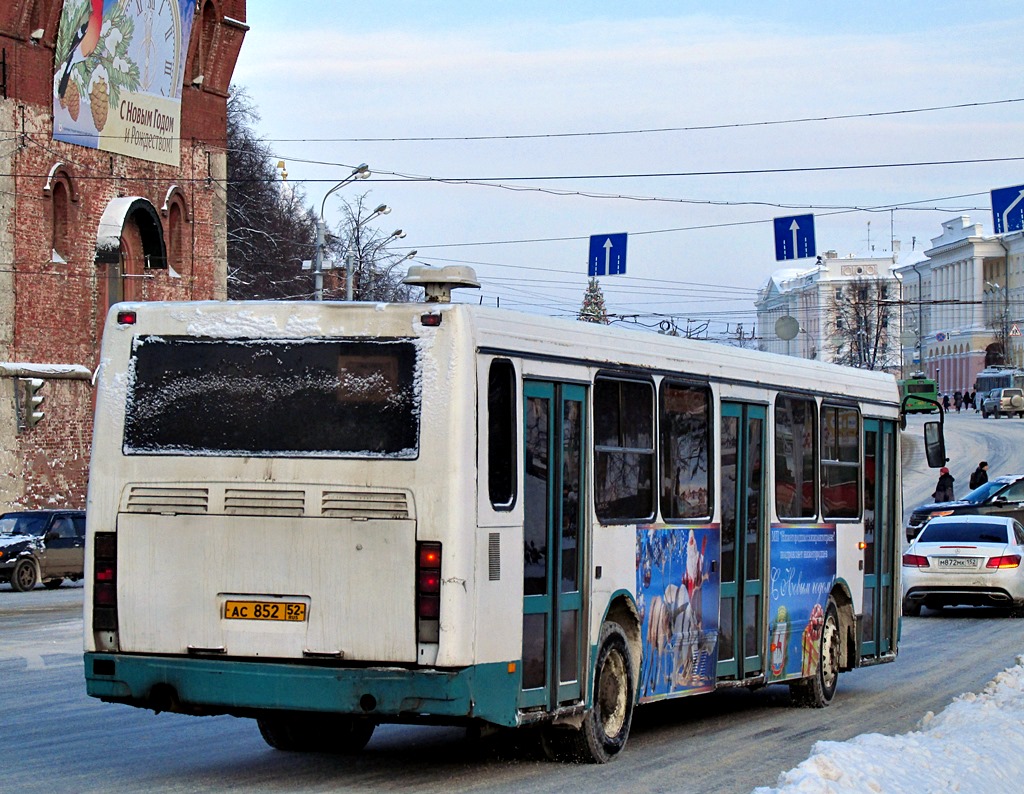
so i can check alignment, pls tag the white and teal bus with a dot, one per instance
(328, 516)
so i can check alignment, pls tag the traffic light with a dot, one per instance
(33, 401)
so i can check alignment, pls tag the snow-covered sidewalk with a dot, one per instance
(974, 746)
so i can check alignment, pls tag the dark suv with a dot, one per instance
(45, 546)
(1001, 496)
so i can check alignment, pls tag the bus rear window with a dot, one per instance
(189, 396)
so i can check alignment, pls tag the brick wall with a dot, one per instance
(52, 311)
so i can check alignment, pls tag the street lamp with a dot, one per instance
(378, 274)
(361, 171)
(920, 319)
(382, 209)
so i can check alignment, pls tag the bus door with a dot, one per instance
(744, 527)
(553, 544)
(880, 536)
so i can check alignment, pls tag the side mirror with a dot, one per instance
(51, 535)
(934, 444)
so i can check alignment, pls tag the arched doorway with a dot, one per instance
(129, 242)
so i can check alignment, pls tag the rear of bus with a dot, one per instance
(919, 394)
(271, 511)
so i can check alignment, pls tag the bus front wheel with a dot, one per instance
(818, 690)
(605, 727)
(315, 733)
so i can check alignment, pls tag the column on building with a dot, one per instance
(958, 323)
(978, 294)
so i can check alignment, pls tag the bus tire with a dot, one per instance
(818, 690)
(24, 576)
(605, 728)
(315, 733)
(911, 609)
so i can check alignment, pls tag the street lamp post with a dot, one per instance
(361, 171)
(382, 209)
(373, 273)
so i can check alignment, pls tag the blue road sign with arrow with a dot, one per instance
(1008, 209)
(607, 255)
(794, 237)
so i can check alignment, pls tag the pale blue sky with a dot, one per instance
(349, 72)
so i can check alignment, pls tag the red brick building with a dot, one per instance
(84, 224)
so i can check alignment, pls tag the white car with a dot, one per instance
(965, 560)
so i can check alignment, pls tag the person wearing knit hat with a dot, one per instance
(980, 475)
(944, 488)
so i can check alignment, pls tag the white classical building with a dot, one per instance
(808, 296)
(962, 305)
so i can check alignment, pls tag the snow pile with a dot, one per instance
(974, 746)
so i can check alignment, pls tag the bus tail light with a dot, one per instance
(428, 591)
(104, 582)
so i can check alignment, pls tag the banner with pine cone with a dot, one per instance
(109, 59)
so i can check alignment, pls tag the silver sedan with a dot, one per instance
(972, 560)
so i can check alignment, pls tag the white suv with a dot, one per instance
(1003, 401)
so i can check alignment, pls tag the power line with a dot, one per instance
(610, 133)
(651, 130)
(681, 174)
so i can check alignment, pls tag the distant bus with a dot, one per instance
(328, 516)
(918, 386)
(998, 378)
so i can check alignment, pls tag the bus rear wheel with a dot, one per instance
(315, 733)
(818, 690)
(606, 724)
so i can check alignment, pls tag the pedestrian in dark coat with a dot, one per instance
(958, 400)
(945, 402)
(944, 488)
(980, 475)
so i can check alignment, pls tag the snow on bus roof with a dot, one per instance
(250, 324)
(603, 345)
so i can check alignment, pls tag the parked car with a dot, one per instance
(1001, 496)
(1003, 402)
(972, 560)
(45, 546)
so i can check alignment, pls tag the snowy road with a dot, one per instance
(733, 741)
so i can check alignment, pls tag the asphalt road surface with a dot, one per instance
(54, 737)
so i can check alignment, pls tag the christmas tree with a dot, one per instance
(593, 310)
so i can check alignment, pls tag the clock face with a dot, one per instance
(156, 45)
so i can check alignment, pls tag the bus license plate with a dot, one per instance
(957, 562)
(291, 611)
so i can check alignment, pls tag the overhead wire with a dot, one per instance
(630, 132)
(92, 173)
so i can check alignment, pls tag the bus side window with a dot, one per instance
(840, 462)
(685, 451)
(796, 457)
(623, 450)
(501, 434)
